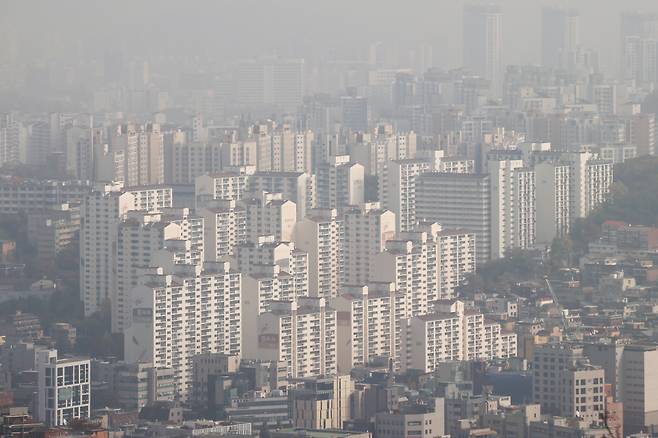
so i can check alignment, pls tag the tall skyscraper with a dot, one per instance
(638, 32)
(560, 36)
(482, 43)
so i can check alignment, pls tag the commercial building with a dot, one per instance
(321, 403)
(64, 389)
(483, 43)
(27, 195)
(565, 383)
(425, 421)
(458, 201)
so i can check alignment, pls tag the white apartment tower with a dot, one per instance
(397, 190)
(142, 234)
(367, 326)
(101, 213)
(340, 183)
(227, 185)
(181, 311)
(297, 187)
(452, 332)
(322, 235)
(512, 206)
(270, 214)
(553, 187)
(366, 232)
(301, 334)
(225, 227)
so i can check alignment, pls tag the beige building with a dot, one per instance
(321, 403)
(512, 421)
(205, 365)
(138, 384)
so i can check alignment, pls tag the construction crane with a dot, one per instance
(565, 321)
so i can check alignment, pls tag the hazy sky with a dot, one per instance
(251, 27)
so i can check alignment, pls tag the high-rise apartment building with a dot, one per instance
(230, 185)
(398, 190)
(301, 334)
(457, 201)
(322, 235)
(297, 187)
(638, 32)
(181, 310)
(340, 183)
(452, 333)
(269, 214)
(367, 325)
(13, 139)
(553, 187)
(140, 235)
(366, 232)
(225, 227)
(513, 206)
(136, 156)
(100, 214)
(456, 259)
(355, 112)
(483, 43)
